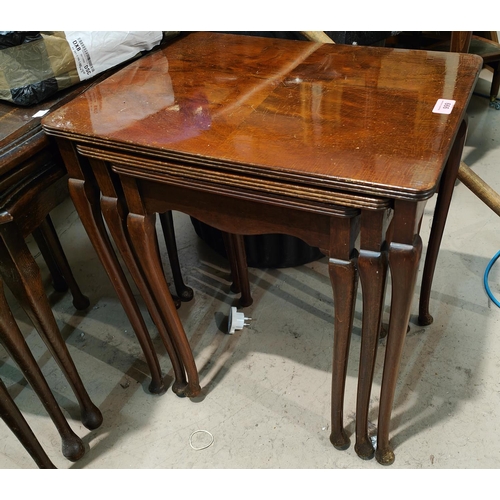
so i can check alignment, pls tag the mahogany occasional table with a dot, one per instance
(338, 145)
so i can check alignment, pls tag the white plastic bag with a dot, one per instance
(97, 51)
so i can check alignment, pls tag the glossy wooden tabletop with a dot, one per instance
(345, 117)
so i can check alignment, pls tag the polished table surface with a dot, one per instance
(344, 117)
(339, 145)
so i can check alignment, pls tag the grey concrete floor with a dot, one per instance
(267, 387)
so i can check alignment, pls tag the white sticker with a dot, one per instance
(444, 106)
(40, 113)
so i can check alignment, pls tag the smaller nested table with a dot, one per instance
(338, 145)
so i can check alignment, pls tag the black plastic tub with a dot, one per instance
(263, 250)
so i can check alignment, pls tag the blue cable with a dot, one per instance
(486, 275)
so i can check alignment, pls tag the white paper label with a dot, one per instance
(444, 106)
(40, 113)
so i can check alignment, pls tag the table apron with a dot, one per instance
(243, 216)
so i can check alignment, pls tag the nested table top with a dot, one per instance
(351, 118)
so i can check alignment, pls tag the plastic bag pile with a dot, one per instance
(34, 65)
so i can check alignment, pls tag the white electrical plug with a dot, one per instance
(236, 321)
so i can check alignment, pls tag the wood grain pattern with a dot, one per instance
(321, 114)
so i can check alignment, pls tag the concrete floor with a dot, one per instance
(267, 387)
